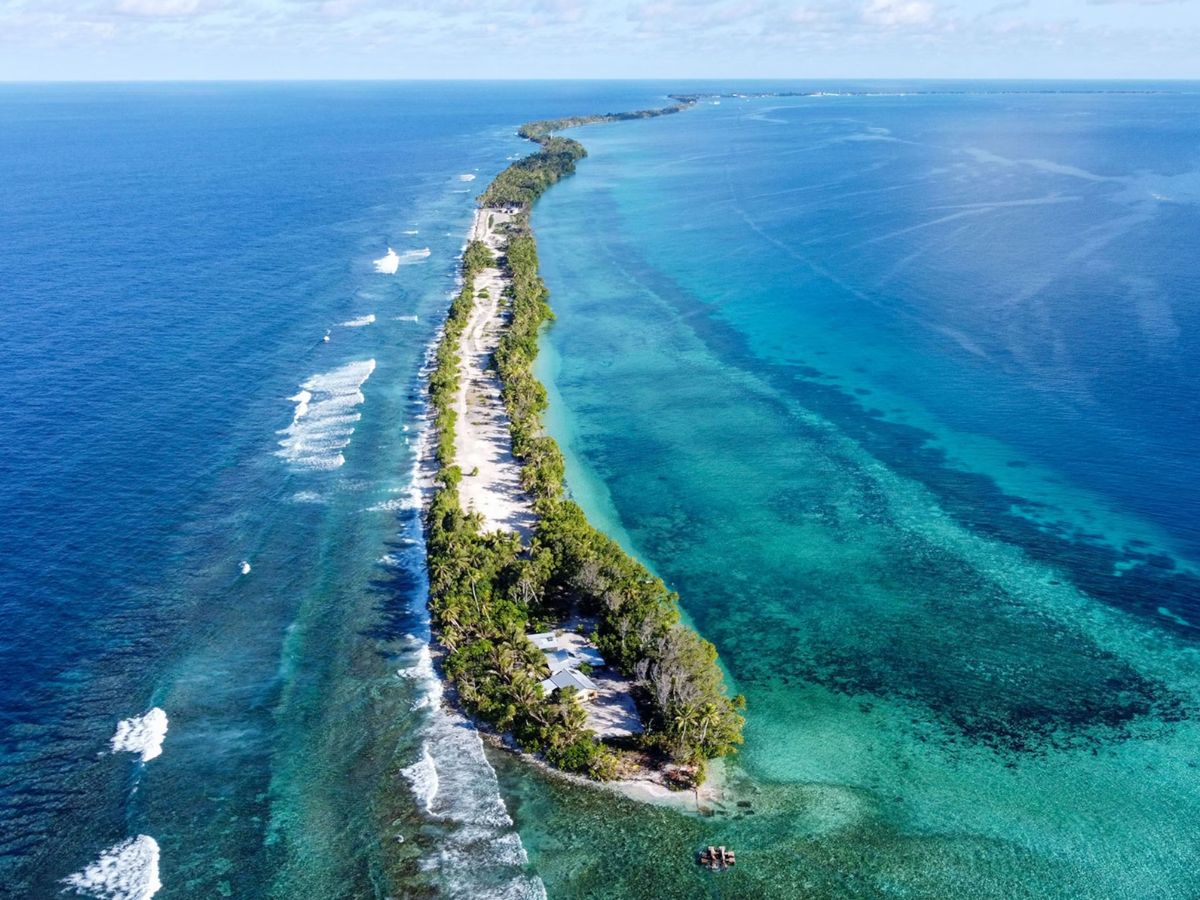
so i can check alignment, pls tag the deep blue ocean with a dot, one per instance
(173, 257)
(897, 390)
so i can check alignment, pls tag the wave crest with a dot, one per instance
(325, 417)
(125, 871)
(141, 734)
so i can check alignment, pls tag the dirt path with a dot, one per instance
(482, 440)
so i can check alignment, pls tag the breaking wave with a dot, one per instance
(141, 734)
(325, 417)
(388, 263)
(422, 777)
(125, 871)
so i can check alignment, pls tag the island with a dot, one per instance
(548, 633)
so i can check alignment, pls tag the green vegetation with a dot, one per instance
(486, 589)
(479, 596)
(525, 180)
(539, 131)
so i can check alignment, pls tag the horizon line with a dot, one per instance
(597, 80)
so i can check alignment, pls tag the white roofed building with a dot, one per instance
(545, 640)
(571, 678)
(558, 660)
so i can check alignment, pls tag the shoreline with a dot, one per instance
(509, 554)
(491, 483)
(699, 801)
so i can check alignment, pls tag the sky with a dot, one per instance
(672, 39)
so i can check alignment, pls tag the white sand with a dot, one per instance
(482, 439)
(652, 790)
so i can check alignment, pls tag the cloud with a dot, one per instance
(1009, 6)
(807, 15)
(160, 8)
(898, 13)
(602, 38)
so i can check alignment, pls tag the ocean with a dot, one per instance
(898, 392)
(894, 389)
(174, 258)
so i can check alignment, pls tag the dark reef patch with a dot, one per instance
(917, 622)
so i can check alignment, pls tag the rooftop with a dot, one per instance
(568, 678)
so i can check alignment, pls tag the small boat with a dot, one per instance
(716, 858)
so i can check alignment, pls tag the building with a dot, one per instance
(589, 655)
(558, 660)
(545, 640)
(555, 643)
(565, 678)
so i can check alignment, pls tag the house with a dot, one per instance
(565, 678)
(558, 660)
(554, 643)
(545, 640)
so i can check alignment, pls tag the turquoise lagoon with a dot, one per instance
(895, 391)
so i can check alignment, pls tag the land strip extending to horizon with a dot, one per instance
(508, 554)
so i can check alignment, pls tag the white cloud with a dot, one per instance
(898, 13)
(160, 8)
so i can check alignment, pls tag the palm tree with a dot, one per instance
(441, 570)
(506, 662)
(574, 718)
(468, 692)
(709, 717)
(526, 692)
(684, 720)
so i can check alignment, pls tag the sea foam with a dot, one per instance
(368, 319)
(466, 177)
(453, 782)
(388, 263)
(125, 871)
(422, 777)
(325, 416)
(408, 257)
(141, 734)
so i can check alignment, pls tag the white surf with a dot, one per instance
(141, 734)
(388, 263)
(125, 871)
(325, 417)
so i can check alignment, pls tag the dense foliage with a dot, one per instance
(479, 591)
(525, 180)
(486, 588)
(538, 131)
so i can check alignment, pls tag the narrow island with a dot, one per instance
(549, 634)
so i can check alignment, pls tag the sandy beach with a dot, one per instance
(642, 786)
(491, 483)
